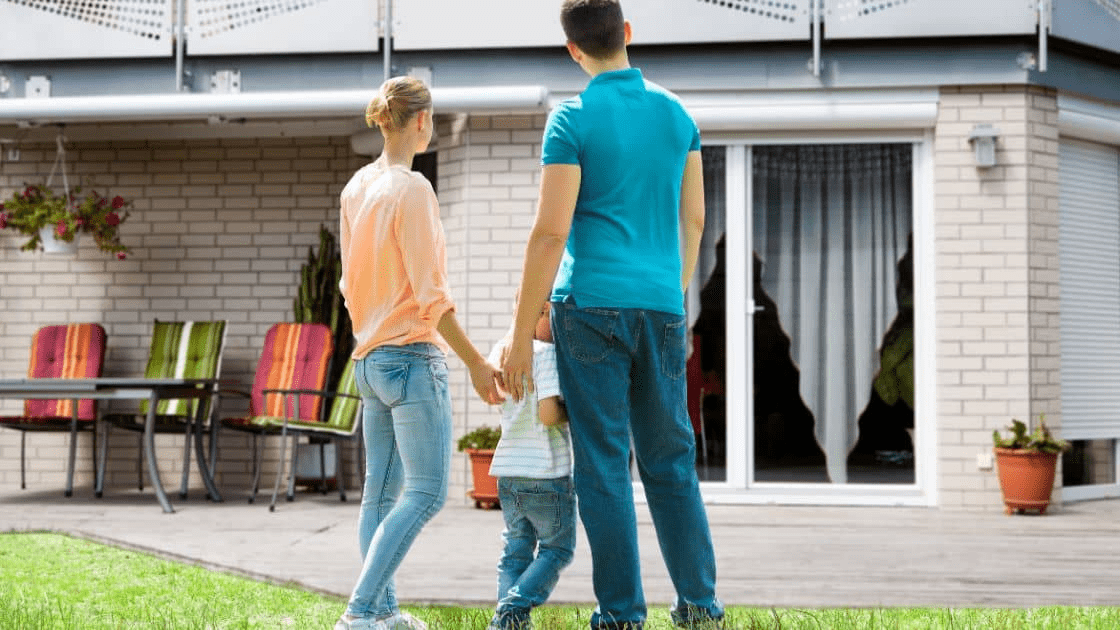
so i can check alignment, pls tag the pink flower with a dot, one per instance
(3, 220)
(113, 218)
(79, 221)
(118, 203)
(121, 256)
(60, 229)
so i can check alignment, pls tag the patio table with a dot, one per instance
(110, 388)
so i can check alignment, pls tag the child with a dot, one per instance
(533, 465)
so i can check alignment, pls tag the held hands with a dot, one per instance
(487, 381)
(517, 369)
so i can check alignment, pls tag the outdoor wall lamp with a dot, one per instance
(983, 140)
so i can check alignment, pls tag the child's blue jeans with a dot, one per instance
(540, 538)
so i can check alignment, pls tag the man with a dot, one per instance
(621, 180)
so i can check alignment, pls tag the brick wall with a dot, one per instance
(997, 280)
(219, 230)
(489, 174)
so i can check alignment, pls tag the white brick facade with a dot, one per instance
(221, 227)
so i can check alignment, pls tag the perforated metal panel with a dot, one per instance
(928, 18)
(230, 27)
(1092, 22)
(1112, 6)
(440, 24)
(82, 29)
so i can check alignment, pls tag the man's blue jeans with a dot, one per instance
(407, 425)
(536, 511)
(622, 373)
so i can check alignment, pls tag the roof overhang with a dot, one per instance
(321, 104)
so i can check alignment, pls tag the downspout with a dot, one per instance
(387, 53)
(179, 44)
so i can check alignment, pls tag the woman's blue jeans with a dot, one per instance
(540, 539)
(622, 373)
(407, 425)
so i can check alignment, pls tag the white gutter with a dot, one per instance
(1088, 120)
(816, 111)
(218, 107)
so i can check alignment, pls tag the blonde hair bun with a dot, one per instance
(398, 100)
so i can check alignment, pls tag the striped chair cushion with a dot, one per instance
(295, 356)
(344, 410)
(66, 351)
(343, 418)
(184, 350)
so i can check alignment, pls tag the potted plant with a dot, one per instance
(479, 444)
(49, 219)
(1027, 464)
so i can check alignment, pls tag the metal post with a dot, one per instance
(179, 44)
(816, 17)
(1043, 33)
(386, 54)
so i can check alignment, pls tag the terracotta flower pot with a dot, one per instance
(485, 492)
(1026, 478)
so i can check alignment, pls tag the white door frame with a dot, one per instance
(739, 486)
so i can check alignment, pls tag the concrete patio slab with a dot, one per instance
(803, 557)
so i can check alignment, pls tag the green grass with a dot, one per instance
(52, 581)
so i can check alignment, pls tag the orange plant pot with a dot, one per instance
(1026, 479)
(485, 492)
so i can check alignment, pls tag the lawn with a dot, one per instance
(52, 581)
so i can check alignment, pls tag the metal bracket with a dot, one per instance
(37, 87)
(225, 82)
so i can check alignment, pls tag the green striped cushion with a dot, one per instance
(344, 410)
(184, 350)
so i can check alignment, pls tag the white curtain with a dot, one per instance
(830, 223)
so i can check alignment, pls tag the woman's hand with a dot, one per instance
(487, 381)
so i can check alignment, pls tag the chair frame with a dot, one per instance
(58, 424)
(166, 423)
(328, 435)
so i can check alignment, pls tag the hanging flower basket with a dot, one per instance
(53, 222)
(53, 245)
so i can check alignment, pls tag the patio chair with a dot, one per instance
(63, 351)
(295, 357)
(178, 350)
(341, 424)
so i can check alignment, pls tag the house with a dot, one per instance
(913, 229)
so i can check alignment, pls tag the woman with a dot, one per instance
(395, 284)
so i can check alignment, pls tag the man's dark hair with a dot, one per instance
(595, 26)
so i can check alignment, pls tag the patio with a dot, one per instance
(768, 555)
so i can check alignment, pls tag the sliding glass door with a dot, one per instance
(802, 311)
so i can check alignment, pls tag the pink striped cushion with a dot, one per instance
(66, 351)
(295, 356)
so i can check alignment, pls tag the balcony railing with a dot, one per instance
(64, 29)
